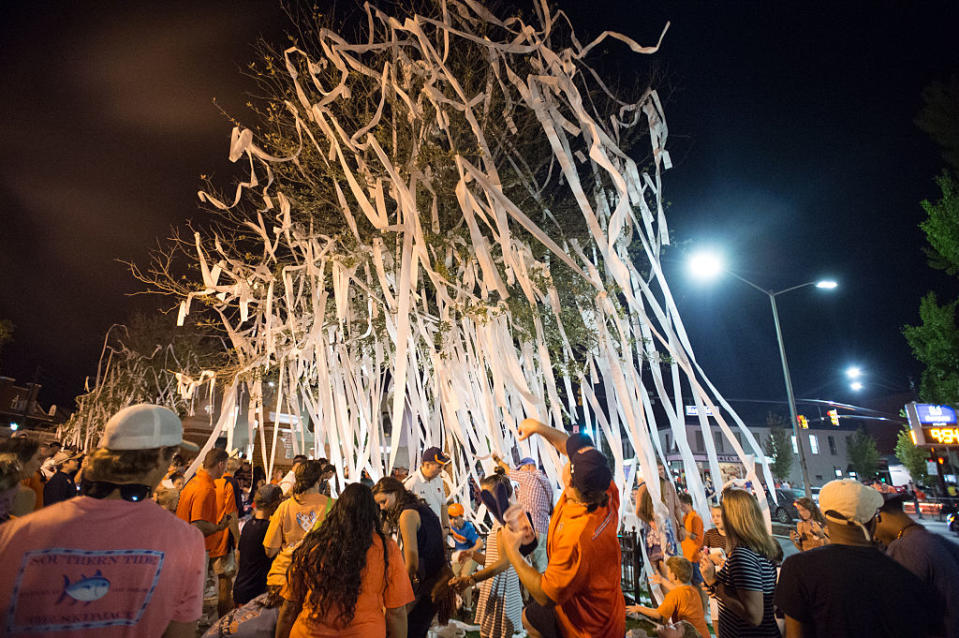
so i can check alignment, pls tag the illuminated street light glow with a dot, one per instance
(853, 372)
(827, 284)
(705, 265)
(856, 386)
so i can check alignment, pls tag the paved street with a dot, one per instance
(781, 533)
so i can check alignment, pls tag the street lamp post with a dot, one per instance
(712, 266)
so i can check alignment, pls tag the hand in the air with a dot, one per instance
(529, 427)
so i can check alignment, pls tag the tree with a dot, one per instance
(913, 457)
(935, 342)
(862, 454)
(779, 447)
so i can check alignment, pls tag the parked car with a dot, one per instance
(783, 510)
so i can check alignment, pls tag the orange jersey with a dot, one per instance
(198, 503)
(693, 524)
(583, 574)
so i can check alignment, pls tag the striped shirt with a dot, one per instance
(745, 569)
(535, 495)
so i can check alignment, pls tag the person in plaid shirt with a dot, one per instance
(535, 495)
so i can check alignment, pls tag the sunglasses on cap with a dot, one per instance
(133, 492)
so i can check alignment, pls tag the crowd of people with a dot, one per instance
(122, 542)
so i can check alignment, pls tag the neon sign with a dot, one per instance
(943, 436)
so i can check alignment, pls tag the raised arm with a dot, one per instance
(557, 438)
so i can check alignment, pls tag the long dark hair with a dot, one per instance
(306, 475)
(404, 499)
(490, 481)
(328, 565)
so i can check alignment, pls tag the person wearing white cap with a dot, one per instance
(61, 486)
(849, 587)
(111, 562)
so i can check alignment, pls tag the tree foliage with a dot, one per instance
(779, 447)
(863, 454)
(913, 457)
(139, 364)
(935, 342)
(939, 117)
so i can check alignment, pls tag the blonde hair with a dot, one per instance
(745, 526)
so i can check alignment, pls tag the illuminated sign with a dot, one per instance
(942, 436)
(935, 414)
(692, 411)
(932, 425)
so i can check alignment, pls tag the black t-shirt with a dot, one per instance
(844, 590)
(254, 563)
(59, 488)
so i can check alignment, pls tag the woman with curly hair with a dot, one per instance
(298, 514)
(421, 537)
(810, 531)
(344, 574)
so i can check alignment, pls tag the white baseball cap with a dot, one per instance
(850, 501)
(144, 427)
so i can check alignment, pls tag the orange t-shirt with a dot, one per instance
(379, 589)
(693, 524)
(583, 574)
(684, 603)
(35, 483)
(292, 520)
(198, 503)
(225, 504)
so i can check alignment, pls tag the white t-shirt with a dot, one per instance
(430, 491)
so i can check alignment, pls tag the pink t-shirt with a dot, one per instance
(99, 568)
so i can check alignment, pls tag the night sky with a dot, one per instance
(791, 131)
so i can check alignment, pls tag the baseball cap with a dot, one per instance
(526, 461)
(63, 456)
(454, 510)
(850, 501)
(435, 455)
(589, 471)
(143, 427)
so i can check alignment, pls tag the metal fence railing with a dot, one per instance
(632, 566)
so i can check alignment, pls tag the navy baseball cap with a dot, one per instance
(526, 461)
(435, 455)
(589, 471)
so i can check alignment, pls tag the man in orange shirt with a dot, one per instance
(579, 595)
(222, 555)
(198, 504)
(693, 543)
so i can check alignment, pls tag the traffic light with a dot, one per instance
(834, 416)
(803, 422)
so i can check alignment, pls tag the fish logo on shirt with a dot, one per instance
(306, 520)
(85, 590)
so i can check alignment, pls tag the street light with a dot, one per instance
(856, 386)
(705, 266)
(853, 372)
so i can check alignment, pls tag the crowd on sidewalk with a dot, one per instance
(121, 542)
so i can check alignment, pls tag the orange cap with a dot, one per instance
(454, 510)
